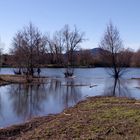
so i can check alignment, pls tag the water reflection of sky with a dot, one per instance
(18, 103)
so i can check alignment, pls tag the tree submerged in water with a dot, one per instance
(115, 56)
(72, 40)
(28, 50)
(69, 72)
(113, 52)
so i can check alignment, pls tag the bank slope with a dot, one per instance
(94, 118)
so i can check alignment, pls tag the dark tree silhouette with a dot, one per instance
(72, 41)
(28, 48)
(62, 45)
(113, 52)
(56, 48)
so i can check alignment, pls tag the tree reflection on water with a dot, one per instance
(117, 87)
(32, 100)
(26, 99)
(1, 108)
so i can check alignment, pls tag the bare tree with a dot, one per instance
(1, 52)
(28, 48)
(56, 48)
(62, 46)
(18, 53)
(113, 51)
(58, 44)
(72, 40)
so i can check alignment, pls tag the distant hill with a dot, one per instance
(96, 51)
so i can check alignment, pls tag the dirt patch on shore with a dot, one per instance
(95, 118)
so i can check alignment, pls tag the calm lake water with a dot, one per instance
(19, 103)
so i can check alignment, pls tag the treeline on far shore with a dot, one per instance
(84, 58)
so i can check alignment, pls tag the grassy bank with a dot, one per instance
(96, 118)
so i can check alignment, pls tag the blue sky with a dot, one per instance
(90, 16)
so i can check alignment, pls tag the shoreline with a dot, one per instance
(95, 118)
(20, 79)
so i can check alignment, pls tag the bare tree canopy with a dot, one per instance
(72, 41)
(113, 51)
(56, 47)
(28, 48)
(62, 46)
